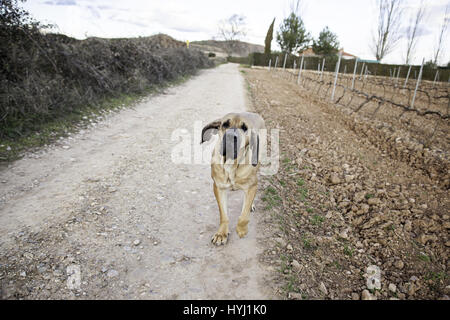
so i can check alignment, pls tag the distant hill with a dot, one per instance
(152, 43)
(162, 41)
(240, 48)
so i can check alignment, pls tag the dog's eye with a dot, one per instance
(226, 124)
(244, 127)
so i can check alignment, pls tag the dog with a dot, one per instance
(234, 165)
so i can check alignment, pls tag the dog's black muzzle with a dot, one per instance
(230, 143)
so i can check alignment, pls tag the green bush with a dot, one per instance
(240, 60)
(379, 69)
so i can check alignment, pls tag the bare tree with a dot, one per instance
(442, 33)
(297, 6)
(388, 29)
(412, 31)
(232, 30)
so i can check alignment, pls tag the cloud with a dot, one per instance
(105, 7)
(437, 13)
(61, 3)
(95, 13)
(132, 22)
(180, 20)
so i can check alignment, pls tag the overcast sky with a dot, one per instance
(353, 21)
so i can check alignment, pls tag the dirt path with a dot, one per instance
(106, 214)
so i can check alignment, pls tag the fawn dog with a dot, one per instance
(234, 164)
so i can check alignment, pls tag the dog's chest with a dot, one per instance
(230, 175)
(225, 175)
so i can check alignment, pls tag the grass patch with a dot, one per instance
(249, 89)
(437, 279)
(290, 168)
(303, 193)
(288, 164)
(271, 198)
(285, 265)
(290, 284)
(392, 227)
(436, 276)
(337, 265)
(271, 190)
(316, 219)
(424, 257)
(47, 133)
(348, 251)
(302, 190)
(306, 243)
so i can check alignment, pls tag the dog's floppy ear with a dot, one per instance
(207, 130)
(254, 146)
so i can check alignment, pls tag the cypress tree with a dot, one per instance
(269, 38)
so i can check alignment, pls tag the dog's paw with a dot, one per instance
(242, 228)
(253, 208)
(220, 238)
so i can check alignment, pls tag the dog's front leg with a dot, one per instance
(242, 225)
(221, 236)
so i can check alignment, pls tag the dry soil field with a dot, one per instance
(346, 197)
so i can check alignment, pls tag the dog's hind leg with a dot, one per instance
(242, 225)
(221, 236)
